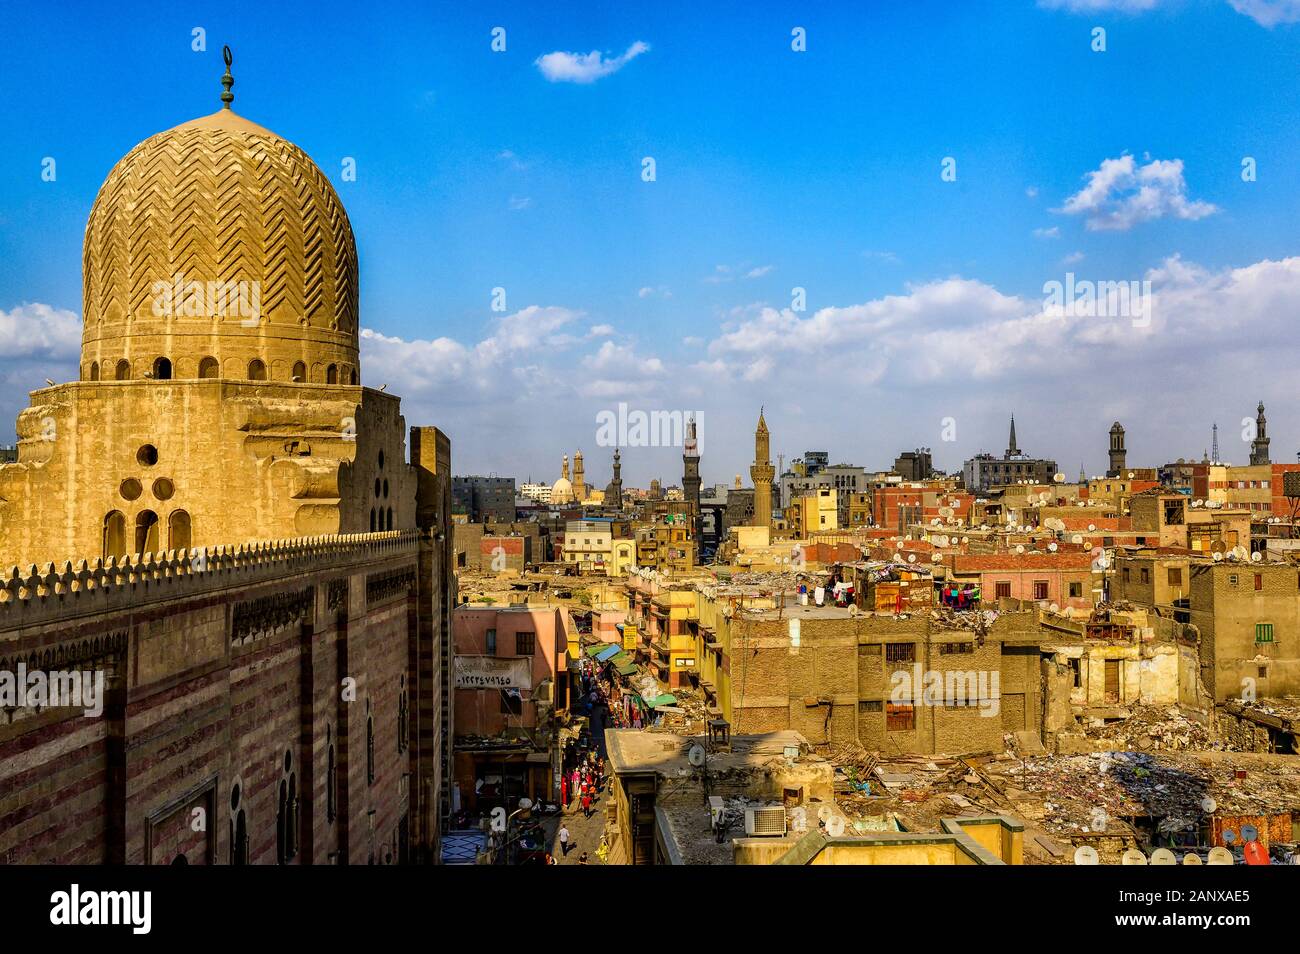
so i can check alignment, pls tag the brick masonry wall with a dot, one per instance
(206, 691)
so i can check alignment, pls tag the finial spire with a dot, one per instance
(227, 97)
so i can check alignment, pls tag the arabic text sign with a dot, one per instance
(489, 672)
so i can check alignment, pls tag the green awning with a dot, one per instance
(667, 699)
(627, 669)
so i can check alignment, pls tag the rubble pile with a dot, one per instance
(1155, 729)
(973, 620)
(1083, 794)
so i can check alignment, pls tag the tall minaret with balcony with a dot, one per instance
(762, 473)
(1259, 446)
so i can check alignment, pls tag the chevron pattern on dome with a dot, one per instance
(220, 201)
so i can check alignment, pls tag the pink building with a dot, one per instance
(510, 672)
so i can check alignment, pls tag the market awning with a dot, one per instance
(627, 669)
(595, 648)
(608, 651)
(667, 699)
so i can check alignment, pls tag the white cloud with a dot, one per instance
(1031, 191)
(39, 331)
(519, 202)
(1053, 232)
(561, 67)
(662, 291)
(1121, 194)
(1099, 6)
(513, 394)
(1073, 258)
(1269, 13)
(760, 271)
(508, 156)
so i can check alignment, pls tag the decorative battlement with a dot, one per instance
(45, 593)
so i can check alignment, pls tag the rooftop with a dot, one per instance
(633, 750)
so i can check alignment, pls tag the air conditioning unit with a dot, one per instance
(769, 820)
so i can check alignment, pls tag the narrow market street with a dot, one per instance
(584, 833)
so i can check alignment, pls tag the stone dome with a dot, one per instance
(221, 250)
(562, 491)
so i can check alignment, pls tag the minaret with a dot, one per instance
(691, 473)
(579, 481)
(1012, 449)
(614, 493)
(564, 468)
(1214, 443)
(761, 473)
(1118, 454)
(1083, 474)
(1259, 446)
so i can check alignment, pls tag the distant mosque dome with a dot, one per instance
(220, 200)
(562, 491)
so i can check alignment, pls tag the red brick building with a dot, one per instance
(1061, 578)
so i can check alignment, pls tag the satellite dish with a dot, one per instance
(965, 539)
(1256, 557)
(911, 558)
(1208, 805)
(1059, 478)
(1163, 856)
(1220, 856)
(1077, 538)
(1020, 548)
(1053, 607)
(898, 558)
(1217, 556)
(1133, 857)
(936, 558)
(853, 609)
(1249, 833)
(1091, 527)
(1051, 547)
(1086, 855)
(835, 826)
(1191, 858)
(1229, 837)
(696, 755)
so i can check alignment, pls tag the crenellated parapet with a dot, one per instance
(37, 595)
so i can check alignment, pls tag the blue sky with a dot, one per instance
(774, 169)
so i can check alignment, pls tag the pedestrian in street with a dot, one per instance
(564, 838)
(586, 803)
(582, 858)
